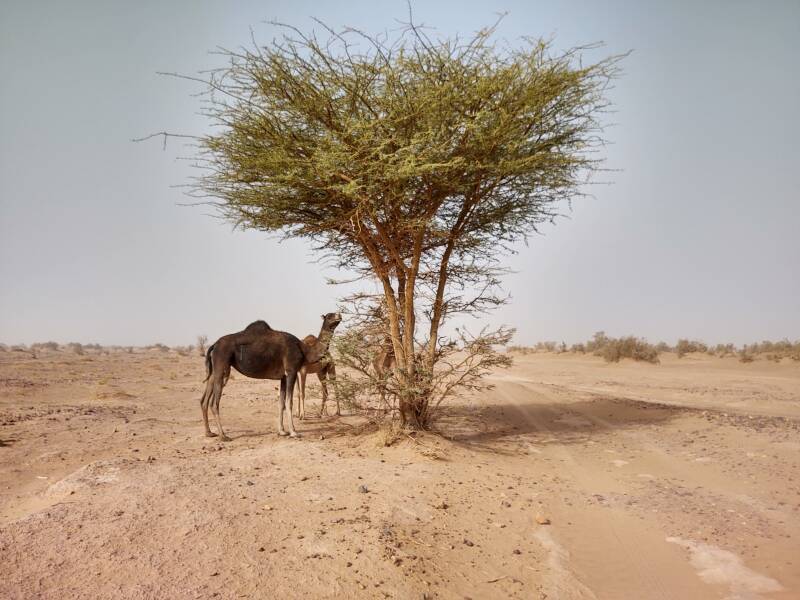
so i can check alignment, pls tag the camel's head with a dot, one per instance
(331, 320)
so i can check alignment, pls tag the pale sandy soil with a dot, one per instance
(673, 481)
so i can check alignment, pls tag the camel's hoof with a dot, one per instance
(210, 434)
(282, 433)
(294, 434)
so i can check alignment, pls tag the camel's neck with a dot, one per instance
(324, 337)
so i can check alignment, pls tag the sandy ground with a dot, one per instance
(674, 481)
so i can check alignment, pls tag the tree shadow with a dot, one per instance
(311, 427)
(507, 428)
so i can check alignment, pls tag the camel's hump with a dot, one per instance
(257, 327)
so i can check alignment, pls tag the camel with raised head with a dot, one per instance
(318, 345)
(259, 352)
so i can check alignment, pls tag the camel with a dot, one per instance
(324, 368)
(383, 363)
(259, 352)
(384, 360)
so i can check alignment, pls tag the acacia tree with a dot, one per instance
(415, 162)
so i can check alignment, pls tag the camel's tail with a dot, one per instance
(209, 367)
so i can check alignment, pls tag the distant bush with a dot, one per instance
(723, 350)
(53, 346)
(598, 342)
(546, 346)
(521, 349)
(614, 349)
(202, 340)
(75, 348)
(628, 347)
(685, 347)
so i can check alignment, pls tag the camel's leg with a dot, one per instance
(323, 411)
(332, 375)
(207, 394)
(281, 430)
(301, 402)
(291, 377)
(218, 385)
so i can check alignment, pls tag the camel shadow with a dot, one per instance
(508, 428)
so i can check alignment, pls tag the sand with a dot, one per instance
(572, 478)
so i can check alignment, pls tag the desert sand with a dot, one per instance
(572, 478)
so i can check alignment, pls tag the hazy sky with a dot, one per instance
(699, 236)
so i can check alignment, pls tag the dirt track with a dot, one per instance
(673, 481)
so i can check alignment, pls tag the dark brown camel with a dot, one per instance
(259, 352)
(324, 368)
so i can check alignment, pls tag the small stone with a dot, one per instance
(542, 520)
(468, 543)
(261, 549)
(363, 489)
(267, 507)
(517, 551)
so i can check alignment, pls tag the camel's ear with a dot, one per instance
(323, 316)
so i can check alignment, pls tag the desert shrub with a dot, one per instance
(160, 347)
(663, 347)
(628, 347)
(578, 348)
(93, 347)
(76, 348)
(745, 356)
(685, 347)
(19, 348)
(723, 350)
(202, 340)
(184, 350)
(598, 342)
(3, 348)
(546, 346)
(53, 346)
(521, 349)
